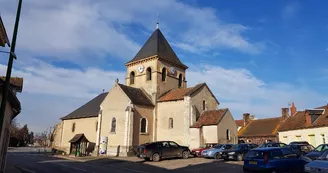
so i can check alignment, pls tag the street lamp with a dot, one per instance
(10, 66)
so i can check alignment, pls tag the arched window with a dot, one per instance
(228, 134)
(73, 127)
(96, 125)
(204, 105)
(113, 127)
(148, 73)
(143, 125)
(164, 74)
(132, 77)
(170, 123)
(180, 80)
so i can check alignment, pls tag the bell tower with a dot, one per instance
(156, 68)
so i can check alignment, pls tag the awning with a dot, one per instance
(79, 137)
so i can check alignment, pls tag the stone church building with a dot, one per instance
(154, 104)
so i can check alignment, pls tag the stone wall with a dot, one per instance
(227, 123)
(258, 140)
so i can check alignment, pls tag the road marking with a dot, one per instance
(128, 169)
(26, 170)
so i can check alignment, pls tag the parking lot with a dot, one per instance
(203, 165)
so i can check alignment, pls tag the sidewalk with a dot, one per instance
(12, 169)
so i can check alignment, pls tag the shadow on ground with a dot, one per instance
(164, 166)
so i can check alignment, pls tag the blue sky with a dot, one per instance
(256, 56)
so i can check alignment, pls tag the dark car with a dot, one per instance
(274, 159)
(299, 142)
(237, 152)
(317, 152)
(272, 144)
(300, 149)
(319, 165)
(156, 151)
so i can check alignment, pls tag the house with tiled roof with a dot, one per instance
(261, 131)
(309, 125)
(153, 104)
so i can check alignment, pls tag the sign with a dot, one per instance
(103, 145)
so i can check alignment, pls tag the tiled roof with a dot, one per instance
(210, 117)
(298, 121)
(136, 95)
(16, 82)
(3, 35)
(175, 94)
(239, 122)
(260, 127)
(158, 45)
(90, 109)
(178, 94)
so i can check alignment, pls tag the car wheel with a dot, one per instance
(185, 154)
(239, 157)
(217, 156)
(156, 157)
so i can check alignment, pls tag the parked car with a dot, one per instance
(216, 151)
(272, 144)
(274, 159)
(300, 149)
(299, 142)
(317, 152)
(319, 165)
(156, 151)
(198, 151)
(237, 152)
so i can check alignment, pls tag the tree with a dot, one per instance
(41, 139)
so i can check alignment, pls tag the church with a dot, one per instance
(154, 103)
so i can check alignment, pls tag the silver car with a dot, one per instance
(215, 152)
(319, 165)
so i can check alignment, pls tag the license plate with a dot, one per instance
(252, 162)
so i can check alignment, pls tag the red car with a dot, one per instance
(198, 151)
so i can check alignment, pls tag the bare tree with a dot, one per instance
(41, 139)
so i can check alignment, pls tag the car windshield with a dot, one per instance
(218, 146)
(321, 148)
(324, 156)
(237, 146)
(262, 146)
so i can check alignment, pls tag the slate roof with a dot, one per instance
(239, 122)
(179, 93)
(15, 82)
(88, 110)
(210, 117)
(136, 95)
(78, 137)
(158, 45)
(261, 128)
(298, 121)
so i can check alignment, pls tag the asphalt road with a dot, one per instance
(29, 160)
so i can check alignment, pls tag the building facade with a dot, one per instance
(154, 104)
(310, 125)
(13, 108)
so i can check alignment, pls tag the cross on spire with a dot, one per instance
(157, 24)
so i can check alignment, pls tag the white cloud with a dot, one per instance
(291, 10)
(75, 30)
(241, 91)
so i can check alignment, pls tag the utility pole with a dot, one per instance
(9, 67)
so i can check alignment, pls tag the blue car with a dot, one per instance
(274, 160)
(317, 152)
(216, 151)
(318, 166)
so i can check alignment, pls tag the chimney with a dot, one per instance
(284, 113)
(293, 109)
(308, 120)
(245, 118)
